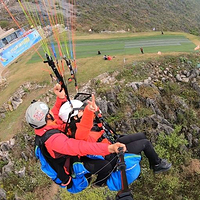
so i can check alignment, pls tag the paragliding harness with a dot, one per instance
(109, 133)
(53, 167)
(112, 136)
(73, 175)
(128, 165)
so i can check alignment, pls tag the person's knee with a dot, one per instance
(147, 143)
(143, 135)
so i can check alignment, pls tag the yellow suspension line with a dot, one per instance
(57, 29)
(30, 20)
(44, 38)
(65, 41)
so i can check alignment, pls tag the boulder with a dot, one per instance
(2, 194)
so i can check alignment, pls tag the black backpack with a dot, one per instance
(53, 167)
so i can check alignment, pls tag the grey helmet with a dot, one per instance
(36, 114)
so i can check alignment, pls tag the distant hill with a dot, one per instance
(139, 15)
(133, 15)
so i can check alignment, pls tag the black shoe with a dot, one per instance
(163, 166)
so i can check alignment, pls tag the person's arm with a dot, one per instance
(68, 146)
(60, 99)
(85, 125)
(56, 107)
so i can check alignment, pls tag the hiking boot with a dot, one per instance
(162, 166)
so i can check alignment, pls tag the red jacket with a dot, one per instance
(60, 144)
(84, 132)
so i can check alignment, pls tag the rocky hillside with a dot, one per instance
(160, 97)
(133, 15)
(140, 15)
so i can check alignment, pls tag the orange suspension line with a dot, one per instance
(19, 27)
(54, 32)
(11, 15)
(73, 32)
(51, 21)
(56, 20)
(59, 43)
(30, 20)
(73, 26)
(42, 22)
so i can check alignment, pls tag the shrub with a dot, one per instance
(4, 24)
(169, 146)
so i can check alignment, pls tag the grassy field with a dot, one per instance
(30, 67)
(88, 47)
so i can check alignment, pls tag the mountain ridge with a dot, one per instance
(128, 15)
(140, 15)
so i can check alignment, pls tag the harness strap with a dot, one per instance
(40, 140)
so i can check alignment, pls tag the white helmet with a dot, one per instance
(66, 109)
(36, 114)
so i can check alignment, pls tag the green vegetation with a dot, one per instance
(169, 146)
(4, 24)
(117, 15)
(139, 15)
(88, 194)
(33, 179)
(142, 112)
(2, 164)
(127, 45)
(170, 185)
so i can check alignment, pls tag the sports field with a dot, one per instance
(132, 45)
(129, 45)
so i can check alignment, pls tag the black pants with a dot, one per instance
(135, 143)
(102, 168)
